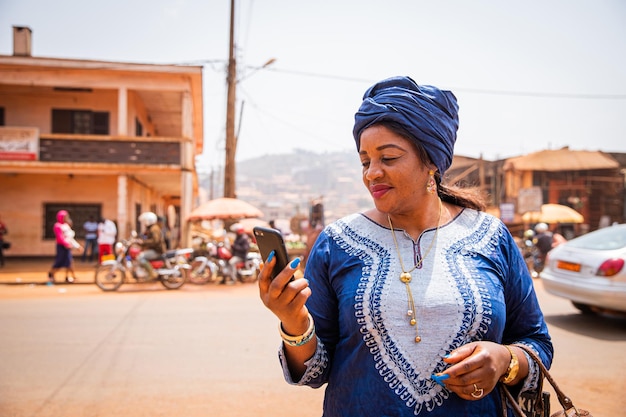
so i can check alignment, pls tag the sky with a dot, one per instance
(528, 76)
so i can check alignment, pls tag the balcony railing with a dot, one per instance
(107, 149)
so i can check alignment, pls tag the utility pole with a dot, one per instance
(231, 140)
(231, 136)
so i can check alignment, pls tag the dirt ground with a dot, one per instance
(589, 360)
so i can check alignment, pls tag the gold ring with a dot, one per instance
(478, 392)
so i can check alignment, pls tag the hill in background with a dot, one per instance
(284, 185)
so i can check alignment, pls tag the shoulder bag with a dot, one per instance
(539, 406)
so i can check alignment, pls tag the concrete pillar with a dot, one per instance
(123, 229)
(122, 111)
(187, 167)
(186, 193)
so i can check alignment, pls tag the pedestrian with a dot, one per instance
(91, 239)
(65, 242)
(3, 244)
(543, 242)
(239, 248)
(272, 224)
(557, 237)
(410, 308)
(107, 234)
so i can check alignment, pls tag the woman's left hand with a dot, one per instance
(476, 369)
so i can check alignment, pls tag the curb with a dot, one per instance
(45, 284)
(34, 271)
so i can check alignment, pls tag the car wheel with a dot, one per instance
(584, 308)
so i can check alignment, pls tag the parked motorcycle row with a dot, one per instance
(210, 263)
(171, 269)
(206, 262)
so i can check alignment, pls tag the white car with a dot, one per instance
(589, 270)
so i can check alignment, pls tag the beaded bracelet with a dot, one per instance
(298, 340)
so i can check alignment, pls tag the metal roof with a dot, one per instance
(561, 160)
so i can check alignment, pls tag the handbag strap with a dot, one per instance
(565, 401)
(511, 401)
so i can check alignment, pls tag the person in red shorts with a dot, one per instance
(107, 233)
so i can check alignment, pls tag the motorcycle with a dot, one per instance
(172, 268)
(532, 255)
(211, 264)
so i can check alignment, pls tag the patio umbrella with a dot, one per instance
(249, 224)
(553, 213)
(224, 209)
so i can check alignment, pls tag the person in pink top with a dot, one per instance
(65, 242)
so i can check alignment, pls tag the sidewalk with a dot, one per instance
(35, 271)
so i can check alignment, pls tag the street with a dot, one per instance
(73, 350)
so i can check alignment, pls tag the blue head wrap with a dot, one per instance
(429, 114)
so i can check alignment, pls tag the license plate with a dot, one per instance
(568, 266)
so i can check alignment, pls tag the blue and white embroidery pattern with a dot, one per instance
(392, 350)
(470, 287)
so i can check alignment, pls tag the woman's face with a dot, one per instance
(392, 170)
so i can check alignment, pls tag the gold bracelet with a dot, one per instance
(301, 339)
(513, 368)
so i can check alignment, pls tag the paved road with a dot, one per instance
(200, 351)
(72, 350)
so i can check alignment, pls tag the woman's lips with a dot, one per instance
(379, 190)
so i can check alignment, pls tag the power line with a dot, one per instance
(325, 76)
(466, 90)
(543, 95)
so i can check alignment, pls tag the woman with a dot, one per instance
(410, 308)
(65, 242)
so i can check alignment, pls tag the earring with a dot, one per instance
(431, 184)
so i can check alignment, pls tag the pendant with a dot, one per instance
(405, 277)
(418, 339)
(413, 322)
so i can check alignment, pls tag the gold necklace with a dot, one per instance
(406, 278)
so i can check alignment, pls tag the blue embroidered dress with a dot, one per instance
(472, 285)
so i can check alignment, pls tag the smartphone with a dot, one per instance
(269, 240)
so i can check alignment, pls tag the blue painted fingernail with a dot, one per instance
(294, 264)
(440, 378)
(270, 256)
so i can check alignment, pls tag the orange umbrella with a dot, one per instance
(224, 209)
(553, 213)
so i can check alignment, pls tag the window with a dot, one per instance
(100, 123)
(79, 213)
(80, 122)
(138, 128)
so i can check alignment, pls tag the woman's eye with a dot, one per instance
(387, 159)
(365, 164)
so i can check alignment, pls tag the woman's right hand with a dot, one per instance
(286, 298)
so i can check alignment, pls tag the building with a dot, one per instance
(591, 182)
(101, 139)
